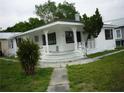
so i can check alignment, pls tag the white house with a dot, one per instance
(8, 43)
(119, 30)
(65, 41)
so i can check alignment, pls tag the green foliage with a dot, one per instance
(103, 53)
(28, 54)
(49, 11)
(92, 24)
(25, 26)
(13, 80)
(35, 22)
(67, 10)
(46, 11)
(103, 75)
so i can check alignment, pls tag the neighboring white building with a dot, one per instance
(119, 31)
(65, 41)
(8, 43)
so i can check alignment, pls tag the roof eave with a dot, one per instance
(49, 25)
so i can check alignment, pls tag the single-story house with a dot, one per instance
(8, 43)
(65, 40)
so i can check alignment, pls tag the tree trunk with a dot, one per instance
(86, 43)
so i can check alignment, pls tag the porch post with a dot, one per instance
(75, 37)
(46, 38)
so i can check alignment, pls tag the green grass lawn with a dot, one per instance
(106, 74)
(12, 78)
(104, 52)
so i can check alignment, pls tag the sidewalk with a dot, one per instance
(7, 59)
(59, 81)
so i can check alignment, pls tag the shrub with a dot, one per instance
(28, 54)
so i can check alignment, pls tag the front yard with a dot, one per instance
(106, 74)
(12, 78)
(104, 52)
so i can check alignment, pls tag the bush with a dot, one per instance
(28, 54)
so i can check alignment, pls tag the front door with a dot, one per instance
(78, 36)
(78, 39)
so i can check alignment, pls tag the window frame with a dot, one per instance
(36, 38)
(108, 34)
(52, 38)
(117, 34)
(69, 39)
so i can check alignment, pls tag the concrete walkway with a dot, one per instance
(7, 59)
(59, 81)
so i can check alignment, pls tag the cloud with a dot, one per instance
(14, 11)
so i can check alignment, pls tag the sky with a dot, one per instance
(14, 11)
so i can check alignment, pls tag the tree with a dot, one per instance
(51, 12)
(92, 25)
(25, 26)
(21, 27)
(35, 22)
(66, 11)
(28, 54)
(46, 11)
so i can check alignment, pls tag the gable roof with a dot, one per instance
(118, 22)
(110, 26)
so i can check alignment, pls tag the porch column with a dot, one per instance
(74, 29)
(46, 38)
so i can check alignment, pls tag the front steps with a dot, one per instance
(62, 57)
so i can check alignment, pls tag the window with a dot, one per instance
(78, 36)
(69, 37)
(108, 34)
(10, 43)
(118, 33)
(52, 38)
(119, 43)
(36, 38)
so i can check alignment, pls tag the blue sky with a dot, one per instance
(13, 11)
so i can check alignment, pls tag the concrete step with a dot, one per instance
(63, 59)
(73, 55)
(61, 53)
(62, 56)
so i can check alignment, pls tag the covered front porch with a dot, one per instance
(62, 43)
(59, 41)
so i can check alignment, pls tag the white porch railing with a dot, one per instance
(81, 47)
(43, 50)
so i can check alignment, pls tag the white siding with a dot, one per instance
(101, 44)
